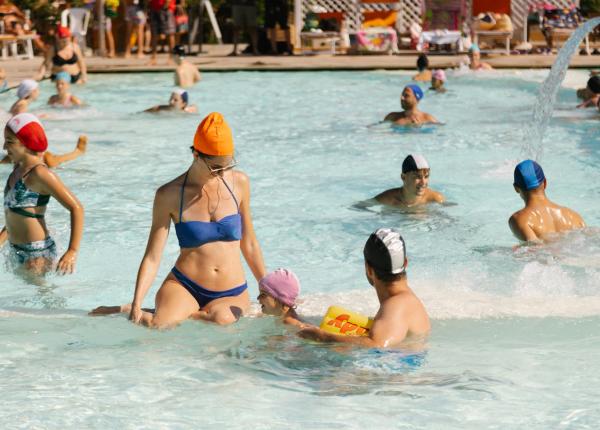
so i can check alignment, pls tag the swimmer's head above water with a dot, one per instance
(438, 77)
(179, 99)
(213, 146)
(278, 292)
(385, 256)
(415, 174)
(422, 62)
(593, 84)
(62, 82)
(411, 95)
(28, 89)
(528, 177)
(23, 135)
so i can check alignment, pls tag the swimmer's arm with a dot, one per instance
(3, 236)
(51, 184)
(52, 99)
(191, 109)
(249, 244)
(521, 230)
(431, 119)
(76, 101)
(46, 64)
(392, 116)
(159, 232)
(178, 77)
(388, 328)
(197, 75)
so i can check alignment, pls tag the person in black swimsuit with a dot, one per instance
(64, 56)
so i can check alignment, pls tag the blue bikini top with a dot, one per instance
(192, 234)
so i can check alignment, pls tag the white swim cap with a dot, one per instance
(26, 87)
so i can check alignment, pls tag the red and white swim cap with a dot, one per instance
(29, 131)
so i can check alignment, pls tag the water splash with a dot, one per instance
(544, 106)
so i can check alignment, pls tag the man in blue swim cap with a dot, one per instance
(401, 316)
(411, 115)
(540, 218)
(415, 189)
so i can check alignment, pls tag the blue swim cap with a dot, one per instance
(63, 76)
(417, 91)
(528, 175)
(184, 95)
(474, 48)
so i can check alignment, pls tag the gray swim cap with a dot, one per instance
(385, 251)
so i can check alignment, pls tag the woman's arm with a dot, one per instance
(75, 101)
(49, 183)
(81, 63)
(249, 244)
(159, 232)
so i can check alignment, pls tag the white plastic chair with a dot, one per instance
(77, 19)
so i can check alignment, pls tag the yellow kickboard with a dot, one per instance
(338, 320)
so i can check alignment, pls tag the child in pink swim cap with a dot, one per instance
(278, 293)
(438, 78)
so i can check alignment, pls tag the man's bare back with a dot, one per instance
(186, 74)
(538, 221)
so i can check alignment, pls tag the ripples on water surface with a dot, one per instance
(515, 332)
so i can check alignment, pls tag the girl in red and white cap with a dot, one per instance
(26, 195)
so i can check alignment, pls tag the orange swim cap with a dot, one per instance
(213, 136)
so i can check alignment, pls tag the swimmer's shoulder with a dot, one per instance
(388, 197)
(435, 196)
(576, 220)
(394, 116)
(519, 223)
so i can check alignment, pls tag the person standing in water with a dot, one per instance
(209, 205)
(411, 115)
(423, 72)
(186, 74)
(438, 78)
(540, 218)
(401, 317)
(26, 195)
(475, 62)
(63, 97)
(415, 189)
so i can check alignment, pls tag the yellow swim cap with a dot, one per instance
(213, 136)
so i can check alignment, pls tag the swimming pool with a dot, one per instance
(514, 341)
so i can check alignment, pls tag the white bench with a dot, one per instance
(12, 42)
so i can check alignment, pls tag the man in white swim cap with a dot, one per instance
(401, 316)
(415, 189)
(27, 91)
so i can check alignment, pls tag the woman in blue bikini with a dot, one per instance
(210, 208)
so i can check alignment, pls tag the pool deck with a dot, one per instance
(214, 58)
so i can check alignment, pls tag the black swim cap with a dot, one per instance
(594, 84)
(179, 50)
(422, 62)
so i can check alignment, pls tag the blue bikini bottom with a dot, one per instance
(201, 294)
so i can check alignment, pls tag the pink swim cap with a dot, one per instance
(439, 74)
(281, 284)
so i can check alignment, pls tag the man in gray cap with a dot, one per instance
(401, 316)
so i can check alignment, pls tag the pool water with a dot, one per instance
(515, 340)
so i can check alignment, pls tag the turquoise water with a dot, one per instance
(514, 341)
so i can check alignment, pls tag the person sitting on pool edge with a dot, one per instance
(438, 78)
(278, 292)
(177, 103)
(424, 74)
(63, 98)
(475, 62)
(540, 217)
(186, 74)
(409, 100)
(591, 93)
(415, 189)
(401, 316)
